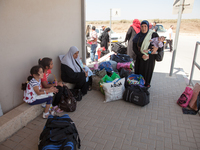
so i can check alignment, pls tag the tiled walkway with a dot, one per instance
(120, 125)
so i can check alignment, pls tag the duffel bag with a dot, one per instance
(59, 133)
(121, 58)
(137, 94)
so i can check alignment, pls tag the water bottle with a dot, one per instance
(96, 65)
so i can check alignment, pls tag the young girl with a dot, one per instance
(47, 64)
(34, 94)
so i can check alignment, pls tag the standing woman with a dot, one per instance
(140, 41)
(72, 72)
(132, 31)
(105, 39)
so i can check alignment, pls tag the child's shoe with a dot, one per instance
(45, 115)
(57, 109)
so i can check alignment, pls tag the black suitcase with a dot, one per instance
(137, 95)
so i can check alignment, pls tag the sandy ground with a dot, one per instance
(190, 28)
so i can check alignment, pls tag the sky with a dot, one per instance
(136, 9)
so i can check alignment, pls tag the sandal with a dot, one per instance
(90, 88)
(57, 109)
(45, 115)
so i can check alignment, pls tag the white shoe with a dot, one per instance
(45, 115)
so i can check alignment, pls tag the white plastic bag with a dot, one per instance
(114, 90)
(43, 96)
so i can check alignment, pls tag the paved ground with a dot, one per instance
(120, 125)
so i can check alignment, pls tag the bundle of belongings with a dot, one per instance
(190, 100)
(116, 80)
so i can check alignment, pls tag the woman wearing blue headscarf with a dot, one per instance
(145, 62)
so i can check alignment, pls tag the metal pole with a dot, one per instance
(176, 36)
(193, 63)
(83, 45)
(110, 27)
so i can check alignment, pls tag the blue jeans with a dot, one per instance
(93, 51)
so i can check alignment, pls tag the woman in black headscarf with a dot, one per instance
(105, 39)
(145, 63)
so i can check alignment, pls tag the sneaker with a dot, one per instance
(45, 115)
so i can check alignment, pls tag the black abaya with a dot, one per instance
(145, 68)
(77, 78)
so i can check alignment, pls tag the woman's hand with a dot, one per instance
(146, 51)
(86, 73)
(145, 57)
(154, 50)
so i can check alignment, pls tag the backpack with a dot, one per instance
(185, 97)
(67, 101)
(59, 133)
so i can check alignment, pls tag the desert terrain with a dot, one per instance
(188, 26)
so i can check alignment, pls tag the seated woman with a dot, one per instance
(72, 72)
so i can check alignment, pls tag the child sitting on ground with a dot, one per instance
(47, 64)
(34, 94)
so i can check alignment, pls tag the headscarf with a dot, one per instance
(69, 60)
(140, 36)
(136, 25)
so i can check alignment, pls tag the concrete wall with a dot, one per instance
(29, 30)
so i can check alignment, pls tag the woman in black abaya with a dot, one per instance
(105, 39)
(144, 64)
(72, 72)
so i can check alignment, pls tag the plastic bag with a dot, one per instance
(114, 90)
(135, 79)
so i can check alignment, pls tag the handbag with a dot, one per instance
(159, 56)
(67, 101)
(137, 94)
(185, 97)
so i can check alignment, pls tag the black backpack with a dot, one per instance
(59, 133)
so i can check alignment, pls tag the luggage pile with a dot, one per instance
(190, 100)
(119, 81)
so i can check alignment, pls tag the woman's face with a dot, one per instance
(76, 55)
(144, 28)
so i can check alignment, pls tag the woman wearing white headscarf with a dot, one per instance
(72, 72)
